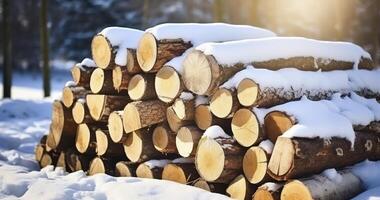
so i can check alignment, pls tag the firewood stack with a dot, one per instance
(164, 104)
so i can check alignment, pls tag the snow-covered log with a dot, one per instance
(141, 87)
(164, 139)
(247, 128)
(114, 46)
(212, 64)
(151, 169)
(81, 72)
(187, 140)
(126, 169)
(141, 114)
(340, 185)
(297, 157)
(101, 106)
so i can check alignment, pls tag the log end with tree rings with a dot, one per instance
(97, 166)
(187, 139)
(221, 103)
(101, 142)
(78, 112)
(137, 87)
(295, 190)
(168, 84)
(115, 126)
(135, 147)
(67, 97)
(175, 173)
(122, 170)
(160, 138)
(282, 156)
(247, 92)
(101, 51)
(276, 123)
(117, 78)
(255, 164)
(184, 109)
(46, 160)
(245, 127)
(131, 118)
(238, 189)
(76, 74)
(209, 159)
(197, 73)
(203, 116)
(97, 80)
(83, 138)
(95, 105)
(147, 52)
(144, 171)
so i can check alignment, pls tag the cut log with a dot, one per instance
(63, 127)
(85, 140)
(133, 66)
(184, 108)
(102, 165)
(138, 146)
(152, 54)
(81, 75)
(126, 169)
(48, 159)
(174, 122)
(168, 84)
(277, 123)
(76, 161)
(81, 113)
(255, 165)
(204, 118)
(39, 152)
(184, 173)
(61, 161)
(246, 128)
(218, 160)
(151, 169)
(141, 87)
(106, 147)
(164, 139)
(50, 142)
(202, 74)
(187, 140)
(140, 114)
(321, 187)
(224, 103)
(101, 82)
(101, 106)
(296, 157)
(70, 94)
(268, 191)
(211, 187)
(240, 189)
(120, 79)
(115, 127)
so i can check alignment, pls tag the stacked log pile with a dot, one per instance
(159, 105)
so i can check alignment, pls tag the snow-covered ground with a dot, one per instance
(26, 118)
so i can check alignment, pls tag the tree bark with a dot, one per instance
(81, 75)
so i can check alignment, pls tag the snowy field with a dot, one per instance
(26, 118)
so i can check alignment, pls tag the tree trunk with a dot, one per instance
(204, 118)
(141, 114)
(296, 157)
(7, 49)
(321, 187)
(224, 103)
(101, 82)
(152, 54)
(120, 79)
(168, 84)
(141, 87)
(81, 113)
(106, 147)
(70, 94)
(187, 140)
(219, 160)
(45, 47)
(164, 139)
(246, 128)
(101, 106)
(63, 127)
(126, 169)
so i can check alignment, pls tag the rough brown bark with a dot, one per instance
(63, 127)
(140, 114)
(81, 75)
(141, 87)
(152, 54)
(101, 106)
(296, 157)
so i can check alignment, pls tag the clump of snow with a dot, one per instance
(70, 84)
(368, 172)
(88, 62)
(270, 186)
(267, 145)
(198, 33)
(215, 132)
(365, 79)
(122, 38)
(186, 96)
(183, 160)
(201, 100)
(372, 104)
(264, 49)
(316, 119)
(333, 175)
(156, 163)
(176, 62)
